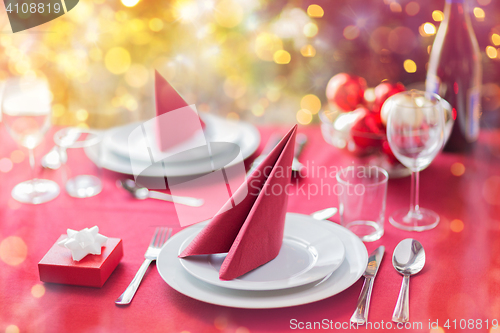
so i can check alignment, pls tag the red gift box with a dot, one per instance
(58, 266)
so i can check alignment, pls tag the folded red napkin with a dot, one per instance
(252, 231)
(182, 121)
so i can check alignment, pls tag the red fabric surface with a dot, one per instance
(461, 278)
(251, 232)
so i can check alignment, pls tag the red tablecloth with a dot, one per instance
(460, 281)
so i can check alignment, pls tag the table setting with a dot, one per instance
(148, 192)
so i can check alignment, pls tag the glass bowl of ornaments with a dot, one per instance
(356, 118)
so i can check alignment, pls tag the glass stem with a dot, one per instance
(31, 155)
(414, 200)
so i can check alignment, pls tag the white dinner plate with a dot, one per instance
(356, 259)
(248, 142)
(217, 129)
(309, 253)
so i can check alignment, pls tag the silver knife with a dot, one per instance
(360, 316)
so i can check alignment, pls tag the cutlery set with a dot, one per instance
(408, 259)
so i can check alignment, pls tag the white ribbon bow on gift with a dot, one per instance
(83, 242)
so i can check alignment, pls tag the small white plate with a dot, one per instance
(248, 142)
(356, 259)
(309, 253)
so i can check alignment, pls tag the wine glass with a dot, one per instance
(26, 108)
(416, 134)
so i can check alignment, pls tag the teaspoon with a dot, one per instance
(408, 259)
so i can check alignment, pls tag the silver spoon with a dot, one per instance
(142, 193)
(408, 259)
(324, 214)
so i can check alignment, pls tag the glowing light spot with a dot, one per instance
(155, 24)
(242, 329)
(410, 66)
(412, 8)
(491, 190)
(258, 110)
(235, 87)
(494, 329)
(185, 332)
(456, 225)
(457, 169)
(395, 7)
(308, 51)
(311, 102)
(5, 165)
(82, 115)
(479, 13)
(38, 290)
(130, 3)
(137, 76)
(282, 57)
(351, 32)
(429, 28)
(233, 116)
(315, 11)
(228, 13)
(437, 15)
(439, 329)
(266, 45)
(370, 95)
(13, 250)
(186, 11)
(220, 322)
(17, 156)
(117, 60)
(12, 329)
(310, 29)
(304, 117)
(495, 38)
(491, 52)
(484, 2)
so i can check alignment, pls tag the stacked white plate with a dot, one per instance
(318, 259)
(113, 153)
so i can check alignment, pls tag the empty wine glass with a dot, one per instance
(416, 134)
(26, 109)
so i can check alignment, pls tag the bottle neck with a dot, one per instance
(456, 10)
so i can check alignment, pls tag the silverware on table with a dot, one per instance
(159, 238)
(142, 193)
(324, 214)
(360, 315)
(300, 141)
(408, 259)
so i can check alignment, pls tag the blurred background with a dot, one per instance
(266, 62)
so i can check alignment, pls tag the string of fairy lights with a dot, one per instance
(256, 60)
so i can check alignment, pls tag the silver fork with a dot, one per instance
(159, 238)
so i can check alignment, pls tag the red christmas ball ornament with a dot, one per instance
(368, 131)
(345, 91)
(383, 91)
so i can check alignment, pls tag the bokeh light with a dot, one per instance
(495, 39)
(282, 57)
(12, 329)
(439, 329)
(137, 76)
(412, 8)
(13, 250)
(437, 15)
(457, 169)
(117, 60)
(5, 165)
(395, 7)
(484, 2)
(304, 117)
(311, 102)
(17, 156)
(351, 32)
(427, 29)
(155, 24)
(81, 115)
(456, 225)
(310, 29)
(235, 86)
(491, 52)
(228, 13)
(242, 329)
(315, 11)
(479, 14)
(130, 3)
(220, 323)
(38, 290)
(410, 66)
(308, 51)
(266, 45)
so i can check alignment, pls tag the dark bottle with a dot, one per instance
(455, 73)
